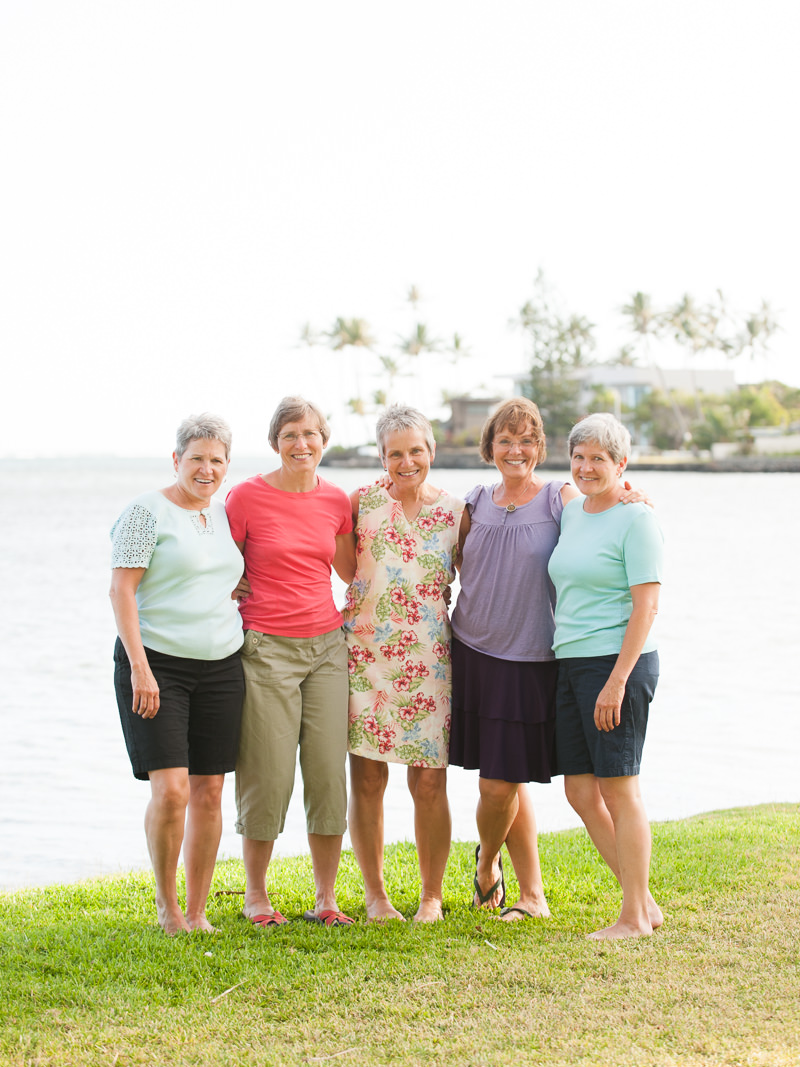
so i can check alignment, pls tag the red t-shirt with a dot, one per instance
(289, 545)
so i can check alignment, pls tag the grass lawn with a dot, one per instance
(87, 978)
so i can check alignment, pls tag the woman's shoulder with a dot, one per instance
(448, 502)
(372, 496)
(153, 502)
(245, 488)
(330, 491)
(477, 493)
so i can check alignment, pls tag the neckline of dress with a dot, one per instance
(393, 500)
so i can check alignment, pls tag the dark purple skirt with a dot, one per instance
(503, 716)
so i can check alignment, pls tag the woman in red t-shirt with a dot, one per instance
(292, 528)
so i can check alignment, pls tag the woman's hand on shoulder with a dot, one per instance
(635, 496)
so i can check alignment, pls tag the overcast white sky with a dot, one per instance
(184, 184)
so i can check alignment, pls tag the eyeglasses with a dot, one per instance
(310, 435)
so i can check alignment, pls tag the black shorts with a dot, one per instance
(580, 747)
(198, 720)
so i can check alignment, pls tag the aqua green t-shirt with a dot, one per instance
(597, 559)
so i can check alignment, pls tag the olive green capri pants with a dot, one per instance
(296, 693)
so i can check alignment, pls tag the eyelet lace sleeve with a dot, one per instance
(133, 537)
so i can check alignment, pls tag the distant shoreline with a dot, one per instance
(468, 459)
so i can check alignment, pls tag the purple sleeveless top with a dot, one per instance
(506, 600)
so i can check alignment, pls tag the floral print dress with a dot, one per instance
(398, 630)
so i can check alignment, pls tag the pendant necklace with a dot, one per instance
(512, 506)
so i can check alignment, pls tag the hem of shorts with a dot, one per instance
(326, 832)
(252, 835)
(142, 773)
(597, 774)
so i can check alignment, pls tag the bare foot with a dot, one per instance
(170, 919)
(533, 908)
(429, 911)
(487, 875)
(202, 924)
(654, 913)
(621, 929)
(380, 909)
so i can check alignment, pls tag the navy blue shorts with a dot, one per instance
(580, 747)
(199, 716)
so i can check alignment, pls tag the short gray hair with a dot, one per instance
(400, 417)
(293, 409)
(606, 431)
(206, 427)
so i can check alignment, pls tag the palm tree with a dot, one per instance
(419, 340)
(647, 323)
(759, 327)
(355, 334)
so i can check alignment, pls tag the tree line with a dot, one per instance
(561, 346)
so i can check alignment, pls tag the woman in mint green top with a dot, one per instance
(606, 570)
(177, 670)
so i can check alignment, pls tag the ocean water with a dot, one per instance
(724, 728)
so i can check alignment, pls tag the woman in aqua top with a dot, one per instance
(607, 572)
(178, 674)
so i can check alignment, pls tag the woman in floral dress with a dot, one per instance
(398, 639)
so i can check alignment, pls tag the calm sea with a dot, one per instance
(725, 726)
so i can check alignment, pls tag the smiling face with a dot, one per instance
(201, 469)
(300, 445)
(515, 454)
(407, 458)
(594, 471)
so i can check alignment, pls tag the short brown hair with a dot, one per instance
(514, 413)
(293, 409)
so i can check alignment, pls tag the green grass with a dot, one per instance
(87, 977)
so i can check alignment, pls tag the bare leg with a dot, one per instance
(325, 852)
(201, 843)
(432, 828)
(368, 780)
(256, 856)
(497, 809)
(523, 848)
(163, 824)
(595, 799)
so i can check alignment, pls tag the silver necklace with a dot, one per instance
(512, 505)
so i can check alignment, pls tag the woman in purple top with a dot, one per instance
(504, 671)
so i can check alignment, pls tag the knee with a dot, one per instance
(427, 786)
(171, 797)
(620, 795)
(368, 778)
(497, 794)
(581, 794)
(207, 795)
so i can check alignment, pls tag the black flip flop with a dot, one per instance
(499, 884)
